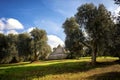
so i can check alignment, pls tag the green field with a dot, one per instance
(81, 69)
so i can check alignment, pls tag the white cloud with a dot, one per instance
(13, 24)
(116, 12)
(54, 41)
(2, 25)
(12, 32)
(10, 24)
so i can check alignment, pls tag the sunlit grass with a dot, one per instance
(70, 69)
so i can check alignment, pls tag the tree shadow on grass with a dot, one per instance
(106, 76)
(30, 72)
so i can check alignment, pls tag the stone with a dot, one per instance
(58, 53)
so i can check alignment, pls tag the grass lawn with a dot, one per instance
(81, 69)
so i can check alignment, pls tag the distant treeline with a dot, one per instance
(24, 47)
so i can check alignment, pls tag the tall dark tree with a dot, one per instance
(86, 19)
(45, 51)
(97, 24)
(115, 49)
(116, 40)
(73, 37)
(3, 46)
(12, 48)
(39, 43)
(24, 46)
(8, 50)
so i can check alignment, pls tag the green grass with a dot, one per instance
(72, 69)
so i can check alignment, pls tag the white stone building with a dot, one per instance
(58, 53)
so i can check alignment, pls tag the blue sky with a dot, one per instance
(44, 14)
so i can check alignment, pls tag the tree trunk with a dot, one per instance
(93, 58)
(36, 57)
(94, 52)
